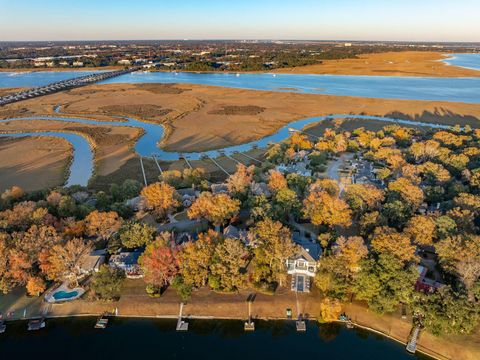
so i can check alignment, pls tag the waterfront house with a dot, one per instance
(424, 283)
(128, 262)
(303, 266)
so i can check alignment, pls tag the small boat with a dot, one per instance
(3, 327)
(238, 75)
(36, 324)
(102, 322)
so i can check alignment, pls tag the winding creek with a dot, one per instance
(81, 168)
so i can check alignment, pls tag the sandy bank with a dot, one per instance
(33, 163)
(405, 63)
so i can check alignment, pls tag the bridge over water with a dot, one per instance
(62, 85)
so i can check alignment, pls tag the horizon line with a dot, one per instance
(253, 39)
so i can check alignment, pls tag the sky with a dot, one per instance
(398, 20)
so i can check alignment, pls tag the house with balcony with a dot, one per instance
(303, 266)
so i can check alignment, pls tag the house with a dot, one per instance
(124, 62)
(77, 63)
(219, 188)
(128, 262)
(303, 266)
(260, 188)
(93, 262)
(425, 284)
(135, 203)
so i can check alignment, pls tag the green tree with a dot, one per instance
(134, 235)
(107, 283)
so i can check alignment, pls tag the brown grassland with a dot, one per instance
(33, 163)
(405, 63)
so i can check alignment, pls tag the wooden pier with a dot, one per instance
(218, 165)
(158, 165)
(412, 341)
(249, 325)
(301, 325)
(181, 325)
(143, 172)
(251, 158)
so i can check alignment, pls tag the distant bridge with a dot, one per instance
(62, 85)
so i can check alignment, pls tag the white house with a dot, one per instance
(303, 266)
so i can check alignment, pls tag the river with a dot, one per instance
(206, 339)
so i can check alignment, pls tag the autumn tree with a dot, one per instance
(421, 229)
(273, 245)
(134, 235)
(388, 240)
(102, 224)
(276, 181)
(363, 197)
(239, 182)
(227, 264)
(64, 262)
(215, 208)
(330, 309)
(35, 286)
(324, 209)
(461, 255)
(195, 259)
(160, 197)
(403, 189)
(159, 263)
(337, 270)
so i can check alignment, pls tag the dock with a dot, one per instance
(301, 325)
(102, 322)
(251, 158)
(143, 172)
(187, 162)
(218, 165)
(181, 325)
(158, 165)
(249, 325)
(36, 324)
(61, 86)
(412, 341)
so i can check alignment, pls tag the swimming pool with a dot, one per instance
(63, 295)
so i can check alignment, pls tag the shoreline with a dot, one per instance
(371, 330)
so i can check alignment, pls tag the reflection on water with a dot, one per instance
(206, 339)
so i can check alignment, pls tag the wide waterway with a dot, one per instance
(153, 338)
(392, 87)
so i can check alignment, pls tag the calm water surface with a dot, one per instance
(157, 339)
(81, 168)
(469, 61)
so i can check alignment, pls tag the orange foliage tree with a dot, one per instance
(215, 208)
(102, 224)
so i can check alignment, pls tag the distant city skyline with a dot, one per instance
(376, 20)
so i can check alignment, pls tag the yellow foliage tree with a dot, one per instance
(160, 197)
